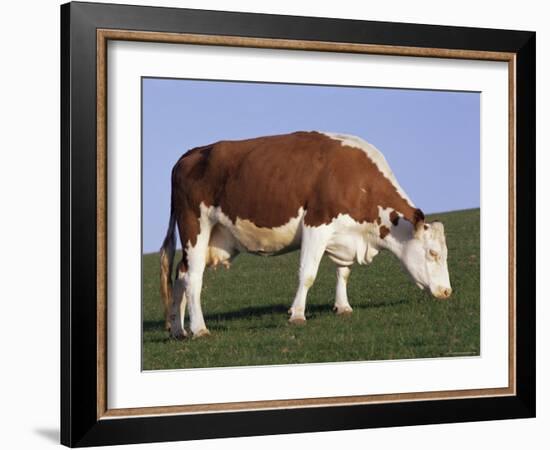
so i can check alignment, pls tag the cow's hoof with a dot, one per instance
(297, 321)
(342, 310)
(167, 326)
(179, 336)
(201, 333)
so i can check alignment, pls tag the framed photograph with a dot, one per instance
(277, 224)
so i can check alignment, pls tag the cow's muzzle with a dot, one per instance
(442, 293)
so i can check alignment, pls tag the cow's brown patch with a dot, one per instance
(266, 180)
(384, 231)
(394, 218)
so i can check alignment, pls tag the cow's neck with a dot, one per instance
(397, 238)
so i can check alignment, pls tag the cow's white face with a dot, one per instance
(425, 257)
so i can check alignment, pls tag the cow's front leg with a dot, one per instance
(341, 305)
(314, 243)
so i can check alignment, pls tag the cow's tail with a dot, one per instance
(167, 252)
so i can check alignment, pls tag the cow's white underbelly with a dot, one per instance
(244, 236)
(349, 240)
(262, 240)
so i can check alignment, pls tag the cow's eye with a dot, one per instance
(434, 254)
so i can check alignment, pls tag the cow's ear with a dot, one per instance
(418, 216)
(419, 224)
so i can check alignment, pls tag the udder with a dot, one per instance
(222, 247)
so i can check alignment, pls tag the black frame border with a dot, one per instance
(79, 423)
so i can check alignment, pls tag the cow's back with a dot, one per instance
(267, 180)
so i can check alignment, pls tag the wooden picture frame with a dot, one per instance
(86, 418)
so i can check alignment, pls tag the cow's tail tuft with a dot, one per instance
(167, 252)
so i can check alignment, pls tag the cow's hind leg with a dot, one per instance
(314, 243)
(341, 305)
(196, 262)
(179, 300)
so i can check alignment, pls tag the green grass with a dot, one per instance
(245, 309)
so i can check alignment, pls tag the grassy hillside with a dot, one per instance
(245, 310)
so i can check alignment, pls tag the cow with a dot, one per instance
(322, 193)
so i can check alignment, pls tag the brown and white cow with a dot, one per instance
(317, 192)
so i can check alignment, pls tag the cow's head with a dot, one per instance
(425, 257)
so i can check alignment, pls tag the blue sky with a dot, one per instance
(431, 139)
